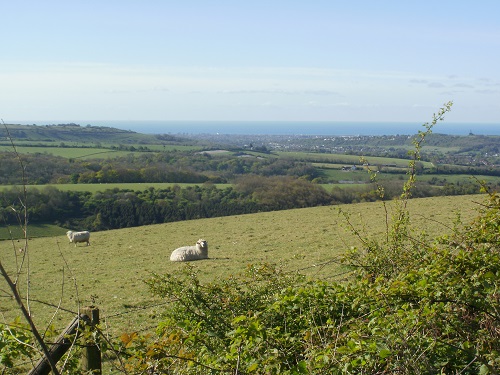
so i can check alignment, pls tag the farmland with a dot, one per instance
(111, 272)
(103, 178)
(94, 188)
(142, 200)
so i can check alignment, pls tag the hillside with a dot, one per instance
(111, 272)
(76, 133)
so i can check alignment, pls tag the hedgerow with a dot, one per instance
(411, 305)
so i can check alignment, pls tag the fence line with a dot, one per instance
(132, 310)
(63, 343)
(113, 340)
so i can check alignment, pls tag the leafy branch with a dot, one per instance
(13, 283)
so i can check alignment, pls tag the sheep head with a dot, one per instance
(202, 244)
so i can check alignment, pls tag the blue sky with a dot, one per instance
(249, 60)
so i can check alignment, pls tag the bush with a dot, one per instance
(413, 305)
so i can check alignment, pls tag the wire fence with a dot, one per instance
(133, 310)
(113, 355)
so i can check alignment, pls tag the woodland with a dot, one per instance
(257, 174)
(257, 186)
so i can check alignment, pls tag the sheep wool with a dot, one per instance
(188, 253)
(75, 237)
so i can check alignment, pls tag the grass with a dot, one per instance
(350, 186)
(68, 152)
(93, 188)
(35, 231)
(459, 178)
(340, 175)
(111, 272)
(346, 159)
(91, 152)
(361, 175)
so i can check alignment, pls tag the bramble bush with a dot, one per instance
(412, 305)
(439, 315)
(15, 343)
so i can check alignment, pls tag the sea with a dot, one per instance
(338, 128)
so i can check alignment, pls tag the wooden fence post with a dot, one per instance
(61, 346)
(91, 356)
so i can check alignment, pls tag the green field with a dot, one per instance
(68, 152)
(458, 178)
(93, 188)
(34, 231)
(347, 159)
(111, 272)
(91, 152)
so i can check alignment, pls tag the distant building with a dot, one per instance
(349, 168)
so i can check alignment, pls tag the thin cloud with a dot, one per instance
(254, 92)
(281, 92)
(322, 92)
(450, 93)
(155, 89)
(435, 85)
(487, 91)
(419, 81)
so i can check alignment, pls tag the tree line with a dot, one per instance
(175, 167)
(121, 208)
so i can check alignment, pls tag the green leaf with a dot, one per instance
(239, 318)
(384, 353)
(483, 370)
(343, 350)
(489, 275)
(252, 367)
(302, 367)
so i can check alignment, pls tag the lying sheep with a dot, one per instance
(187, 253)
(76, 237)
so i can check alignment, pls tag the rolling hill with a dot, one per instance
(111, 272)
(76, 133)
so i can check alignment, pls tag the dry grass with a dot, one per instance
(110, 272)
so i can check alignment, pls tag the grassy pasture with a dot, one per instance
(110, 272)
(340, 175)
(91, 152)
(334, 171)
(68, 152)
(170, 147)
(361, 175)
(34, 231)
(23, 143)
(347, 159)
(425, 148)
(94, 188)
(461, 178)
(361, 187)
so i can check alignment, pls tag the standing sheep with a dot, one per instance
(187, 253)
(76, 237)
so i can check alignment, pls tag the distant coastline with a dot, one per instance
(339, 128)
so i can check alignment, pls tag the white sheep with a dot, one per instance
(76, 237)
(187, 253)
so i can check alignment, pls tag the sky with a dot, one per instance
(259, 60)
